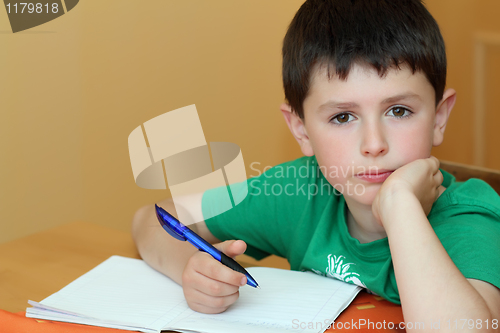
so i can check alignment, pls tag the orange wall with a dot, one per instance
(73, 89)
(460, 22)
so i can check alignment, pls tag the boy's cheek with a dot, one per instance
(416, 145)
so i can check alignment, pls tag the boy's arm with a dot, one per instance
(490, 294)
(156, 246)
(431, 288)
(208, 285)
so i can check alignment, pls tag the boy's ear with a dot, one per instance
(443, 110)
(298, 129)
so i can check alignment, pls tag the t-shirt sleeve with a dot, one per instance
(257, 219)
(278, 202)
(471, 240)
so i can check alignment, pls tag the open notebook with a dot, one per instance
(127, 294)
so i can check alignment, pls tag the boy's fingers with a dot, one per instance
(439, 178)
(217, 286)
(436, 163)
(232, 248)
(208, 304)
(212, 269)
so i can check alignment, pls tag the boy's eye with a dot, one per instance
(399, 112)
(342, 118)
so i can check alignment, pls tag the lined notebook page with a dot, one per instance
(287, 301)
(122, 290)
(128, 293)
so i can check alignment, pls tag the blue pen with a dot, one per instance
(179, 231)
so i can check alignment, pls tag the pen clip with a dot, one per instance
(167, 221)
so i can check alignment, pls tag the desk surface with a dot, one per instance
(37, 266)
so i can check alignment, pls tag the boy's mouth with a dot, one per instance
(378, 176)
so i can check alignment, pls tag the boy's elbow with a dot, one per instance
(140, 216)
(146, 216)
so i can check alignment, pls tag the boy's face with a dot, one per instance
(369, 124)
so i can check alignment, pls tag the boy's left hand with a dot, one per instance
(420, 178)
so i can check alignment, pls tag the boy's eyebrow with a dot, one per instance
(351, 105)
(337, 105)
(401, 97)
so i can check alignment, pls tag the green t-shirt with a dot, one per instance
(293, 212)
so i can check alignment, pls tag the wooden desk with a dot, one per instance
(37, 266)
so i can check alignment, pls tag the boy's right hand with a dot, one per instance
(209, 286)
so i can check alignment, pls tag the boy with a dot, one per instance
(364, 81)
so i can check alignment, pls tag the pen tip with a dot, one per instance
(258, 287)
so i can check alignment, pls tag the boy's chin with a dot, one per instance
(364, 197)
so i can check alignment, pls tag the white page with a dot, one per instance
(39, 311)
(287, 301)
(122, 290)
(128, 292)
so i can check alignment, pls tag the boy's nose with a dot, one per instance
(373, 141)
